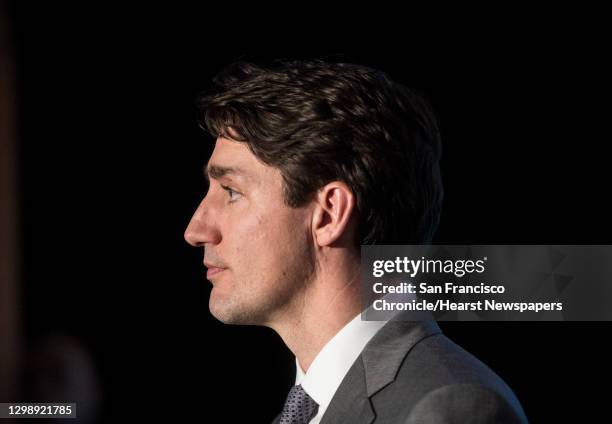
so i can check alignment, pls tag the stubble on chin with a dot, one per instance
(253, 307)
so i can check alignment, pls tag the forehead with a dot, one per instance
(240, 160)
(228, 150)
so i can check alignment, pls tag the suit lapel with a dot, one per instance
(350, 403)
(375, 368)
(384, 354)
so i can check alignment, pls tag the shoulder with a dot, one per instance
(440, 382)
(437, 361)
(464, 403)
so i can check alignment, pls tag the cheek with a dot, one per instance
(248, 242)
(266, 243)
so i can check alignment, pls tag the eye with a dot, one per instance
(233, 194)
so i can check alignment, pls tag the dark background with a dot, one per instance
(110, 172)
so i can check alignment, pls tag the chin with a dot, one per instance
(227, 313)
(219, 309)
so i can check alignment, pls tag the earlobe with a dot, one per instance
(333, 212)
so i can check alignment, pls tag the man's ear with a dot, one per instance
(334, 205)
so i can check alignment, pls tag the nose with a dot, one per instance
(201, 228)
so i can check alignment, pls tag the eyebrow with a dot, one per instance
(217, 171)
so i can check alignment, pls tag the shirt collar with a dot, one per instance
(332, 363)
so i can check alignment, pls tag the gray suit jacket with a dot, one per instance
(411, 373)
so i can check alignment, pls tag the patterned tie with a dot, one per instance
(299, 407)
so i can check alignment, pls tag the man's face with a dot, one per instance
(262, 246)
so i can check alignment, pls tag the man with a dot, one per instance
(312, 160)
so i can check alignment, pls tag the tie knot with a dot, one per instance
(299, 407)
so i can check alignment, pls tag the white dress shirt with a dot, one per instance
(333, 362)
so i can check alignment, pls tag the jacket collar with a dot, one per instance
(376, 368)
(384, 354)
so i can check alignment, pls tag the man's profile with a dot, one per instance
(311, 161)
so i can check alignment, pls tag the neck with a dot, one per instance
(321, 309)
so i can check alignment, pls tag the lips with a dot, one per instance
(212, 269)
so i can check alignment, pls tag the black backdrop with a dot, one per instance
(111, 158)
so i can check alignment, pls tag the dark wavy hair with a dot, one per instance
(319, 122)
